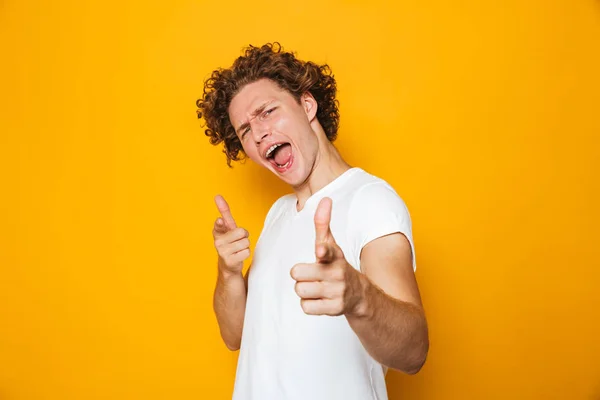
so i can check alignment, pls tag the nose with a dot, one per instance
(260, 132)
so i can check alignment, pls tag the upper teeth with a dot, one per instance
(270, 150)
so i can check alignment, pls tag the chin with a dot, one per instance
(292, 174)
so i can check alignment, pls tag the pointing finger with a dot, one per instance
(225, 212)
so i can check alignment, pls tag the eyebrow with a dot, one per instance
(257, 111)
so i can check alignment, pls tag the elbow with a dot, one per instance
(420, 350)
(412, 357)
(410, 363)
(415, 367)
(231, 341)
(232, 346)
(418, 359)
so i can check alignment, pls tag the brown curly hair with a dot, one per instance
(271, 62)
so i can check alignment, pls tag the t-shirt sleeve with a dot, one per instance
(377, 210)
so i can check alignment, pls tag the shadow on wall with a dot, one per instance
(401, 386)
(596, 394)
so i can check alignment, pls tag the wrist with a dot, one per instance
(362, 308)
(227, 274)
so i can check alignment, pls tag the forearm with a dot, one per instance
(393, 332)
(229, 304)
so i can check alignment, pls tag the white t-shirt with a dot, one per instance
(286, 354)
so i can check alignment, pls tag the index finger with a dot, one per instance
(225, 213)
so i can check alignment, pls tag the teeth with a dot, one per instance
(271, 149)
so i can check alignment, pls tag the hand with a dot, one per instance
(330, 286)
(231, 242)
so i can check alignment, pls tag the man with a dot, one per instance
(330, 300)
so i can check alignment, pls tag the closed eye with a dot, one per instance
(264, 115)
(245, 132)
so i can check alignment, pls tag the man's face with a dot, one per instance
(275, 130)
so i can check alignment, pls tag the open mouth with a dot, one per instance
(280, 155)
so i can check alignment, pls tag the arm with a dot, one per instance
(229, 299)
(382, 303)
(388, 316)
(229, 303)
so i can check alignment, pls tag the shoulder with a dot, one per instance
(376, 210)
(372, 193)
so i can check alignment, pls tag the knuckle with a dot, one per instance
(331, 290)
(305, 306)
(337, 273)
(241, 232)
(339, 306)
(305, 289)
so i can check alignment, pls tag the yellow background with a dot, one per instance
(485, 117)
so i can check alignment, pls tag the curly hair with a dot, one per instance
(271, 62)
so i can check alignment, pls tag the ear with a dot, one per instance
(309, 104)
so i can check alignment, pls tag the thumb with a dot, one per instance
(322, 220)
(325, 246)
(220, 227)
(325, 253)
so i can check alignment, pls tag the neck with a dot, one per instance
(328, 166)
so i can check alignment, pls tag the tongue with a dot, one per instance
(283, 154)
